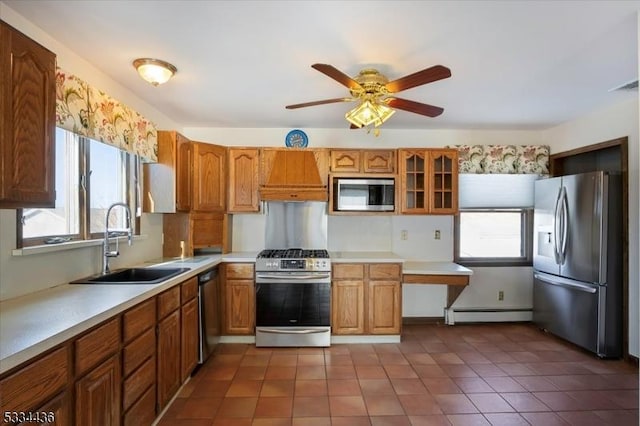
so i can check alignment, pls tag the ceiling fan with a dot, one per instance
(376, 94)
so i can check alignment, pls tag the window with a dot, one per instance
(495, 223)
(494, 237)
(90, 176)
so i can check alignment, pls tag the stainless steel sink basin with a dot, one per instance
(133, 276)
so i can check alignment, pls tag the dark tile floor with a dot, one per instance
(494, 374)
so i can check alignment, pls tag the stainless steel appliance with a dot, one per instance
(293, 298)
(209, 313)
(577, 293)
(364, 194)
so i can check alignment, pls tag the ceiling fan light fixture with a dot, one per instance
(368, 113)
(154, 71)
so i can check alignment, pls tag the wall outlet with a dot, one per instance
(404, 234)
(501, 295)
(437, 234)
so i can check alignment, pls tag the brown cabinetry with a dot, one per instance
(359, 161)
(366, 298)
(428, 181)
(168, 346)
(238, 295)
(209, 178)
(243, 180)
(294, 174)
(98, 395)
(27, 121)
(190, 330)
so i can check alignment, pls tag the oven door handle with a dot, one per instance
(277, 331)
(294, 277)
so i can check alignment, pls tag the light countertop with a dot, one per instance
(364, 257)
(434, 268)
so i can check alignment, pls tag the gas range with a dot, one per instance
(293, 260)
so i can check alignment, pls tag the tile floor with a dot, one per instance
(495, 374)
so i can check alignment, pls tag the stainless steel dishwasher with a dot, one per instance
(209, 313)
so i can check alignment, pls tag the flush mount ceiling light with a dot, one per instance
(155, 71)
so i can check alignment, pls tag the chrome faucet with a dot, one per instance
(106, 252)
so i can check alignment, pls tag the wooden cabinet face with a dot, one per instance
(57, 410)
(344, 161)
(347, 307)
(184, 177)
(413, 178)
(239, 299)
(98, 395)
(189, 342)
(27, 121)
(168, 358)
(209, 183)
(443, 186)
(379, 161)
(243, 180)
(384, 307)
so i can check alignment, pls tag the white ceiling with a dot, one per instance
(514, 64)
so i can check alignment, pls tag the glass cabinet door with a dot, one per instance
(444, 181)
(413, 186)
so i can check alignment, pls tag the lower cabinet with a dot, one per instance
(238, 293)
(168, 353)
(366, 298)
(190, 335)
(98, 395)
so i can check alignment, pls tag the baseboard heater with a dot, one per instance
(453, 315)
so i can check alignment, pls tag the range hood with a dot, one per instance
(294, 175)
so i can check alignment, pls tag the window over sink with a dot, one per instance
(90, 176)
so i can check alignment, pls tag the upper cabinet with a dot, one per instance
(294, 174)
(189, 176)
(209, 178)
(243, 180)
(27, 121)
(428, 181)
(358, 161)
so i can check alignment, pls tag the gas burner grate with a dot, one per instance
(293, 253)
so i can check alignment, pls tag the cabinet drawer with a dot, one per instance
(240, 270)
(168, 301)
(138, 319)
(97, 345)
(142, 412)
(385, 271)
(137, 351)
(138, 382)
(34, 384)
(189, 289)
(348, 270)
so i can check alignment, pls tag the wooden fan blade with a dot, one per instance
(429, 75)
(337, 75)
(415, 107)
(326, 101)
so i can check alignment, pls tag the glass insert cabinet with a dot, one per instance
(428, 181)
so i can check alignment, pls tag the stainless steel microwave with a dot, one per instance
(352, 194)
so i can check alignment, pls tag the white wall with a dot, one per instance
(25, 274)
(610, 123)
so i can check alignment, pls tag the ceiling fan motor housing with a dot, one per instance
(371, 82)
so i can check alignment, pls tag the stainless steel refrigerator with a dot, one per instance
(577, 260)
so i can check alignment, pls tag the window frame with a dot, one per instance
(132, 169)
(526, 240)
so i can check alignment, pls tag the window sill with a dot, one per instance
(71, 245)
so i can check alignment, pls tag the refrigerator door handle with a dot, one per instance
(565, 283)
(565, 225)
(556, 228)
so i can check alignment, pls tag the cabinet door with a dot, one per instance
(384, 307)
(243, 180)
(239, 309)
(343, 161)
(443, 181)
(98, 395)
(184, 176)
(53, 413)
(209, 186)
(379, 161)
(168, 354)
(413, 177)
(189, 344)
(347, 307)
(27, 121)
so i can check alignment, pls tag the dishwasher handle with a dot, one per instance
(207, 276)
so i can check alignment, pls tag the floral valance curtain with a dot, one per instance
(89, 112)
(504, 159)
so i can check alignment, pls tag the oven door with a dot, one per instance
(293, 313)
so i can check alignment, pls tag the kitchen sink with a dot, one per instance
(133, 276)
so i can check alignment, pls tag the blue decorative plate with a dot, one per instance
(296, 139)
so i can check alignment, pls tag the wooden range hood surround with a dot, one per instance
(294, 174)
